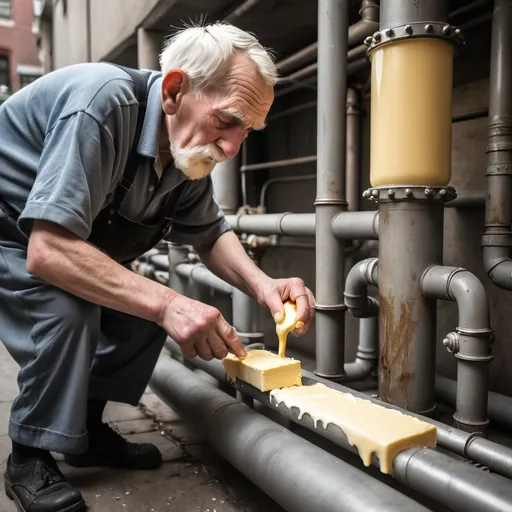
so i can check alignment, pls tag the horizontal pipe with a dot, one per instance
(241, 10)
(498, 265)
(496, 457)
(279, 163)
(292, 471)
(356, 225)
(200, 274)
(287, 224)
(467, 200)
(160, 261)
(451, 482)
(292, 110)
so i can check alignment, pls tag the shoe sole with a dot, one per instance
(76, 507)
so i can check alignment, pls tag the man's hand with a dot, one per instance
(276, 291)
(199, 329)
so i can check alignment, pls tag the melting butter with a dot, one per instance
(286, 326)
(369, 427)
(263, 370)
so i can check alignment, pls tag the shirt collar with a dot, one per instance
(150, 133)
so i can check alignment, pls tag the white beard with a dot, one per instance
(196, 162)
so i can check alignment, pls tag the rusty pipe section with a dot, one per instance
(471, 343)
(497, 238)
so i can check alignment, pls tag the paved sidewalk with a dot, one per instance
(192, 478)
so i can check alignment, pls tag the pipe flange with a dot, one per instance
(497, 240)
(415, 30)
(331, 307)
(475, 359)
(476, 333)
(330, 201)
(395, 193)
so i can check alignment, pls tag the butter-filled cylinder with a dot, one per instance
(411, 113)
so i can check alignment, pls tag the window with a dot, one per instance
(27, 79)
(6, 9)
(5, 78)
(28, 74)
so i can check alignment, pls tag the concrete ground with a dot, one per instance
(192, 478)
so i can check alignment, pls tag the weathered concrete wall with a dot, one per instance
(69, 33)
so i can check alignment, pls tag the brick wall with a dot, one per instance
(17, 42)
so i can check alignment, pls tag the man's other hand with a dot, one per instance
(199, 329)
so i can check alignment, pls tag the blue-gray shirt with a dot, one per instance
(64, 144)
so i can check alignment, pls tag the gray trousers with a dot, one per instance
(68, 350)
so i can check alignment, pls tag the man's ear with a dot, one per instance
(175, 84)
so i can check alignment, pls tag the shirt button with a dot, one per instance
(151, 188)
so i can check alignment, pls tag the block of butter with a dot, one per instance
(263, 370)
(373, 429)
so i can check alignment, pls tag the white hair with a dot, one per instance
(204, 53)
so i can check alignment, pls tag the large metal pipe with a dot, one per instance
(497, 238)
(360, 276)
(410, 240)
(394, 13)
(296, 474)
(333, 16)
(472, 446)
(450, 482)
(471, 344)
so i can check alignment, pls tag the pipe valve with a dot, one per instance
(451, 342)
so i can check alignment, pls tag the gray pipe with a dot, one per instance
(497, 238)
(199, 273)
(472, 446)
(361, 275)
(287, 224)
(499, 407)
(367, 351)
(395, 13)
(296, 474)
(333, 18)
(471, 344)
(356, 225)
(451, 482)
(226, 186)
(353, 150)
(410, 240)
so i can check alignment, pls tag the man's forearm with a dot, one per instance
(227, 258)
(65, 261)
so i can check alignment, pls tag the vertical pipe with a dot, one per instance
(353, 150)
(333, 21)
(409, 241)
(497, 238)
(226, 185)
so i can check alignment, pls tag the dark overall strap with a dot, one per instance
(133, 161)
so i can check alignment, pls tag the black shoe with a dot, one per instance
(39, 486)
(110, 449)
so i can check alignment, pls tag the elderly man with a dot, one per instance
(97, 164)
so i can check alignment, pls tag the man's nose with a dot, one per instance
(230, 143)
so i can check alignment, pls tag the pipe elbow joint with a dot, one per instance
(359, 277)
(498, 266)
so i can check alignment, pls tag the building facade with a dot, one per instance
(19, 60)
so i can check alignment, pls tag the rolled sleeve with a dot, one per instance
(73, 176)
(198, 219)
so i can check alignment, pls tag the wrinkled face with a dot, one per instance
(210, 127)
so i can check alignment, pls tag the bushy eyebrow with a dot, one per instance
(236, 114)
